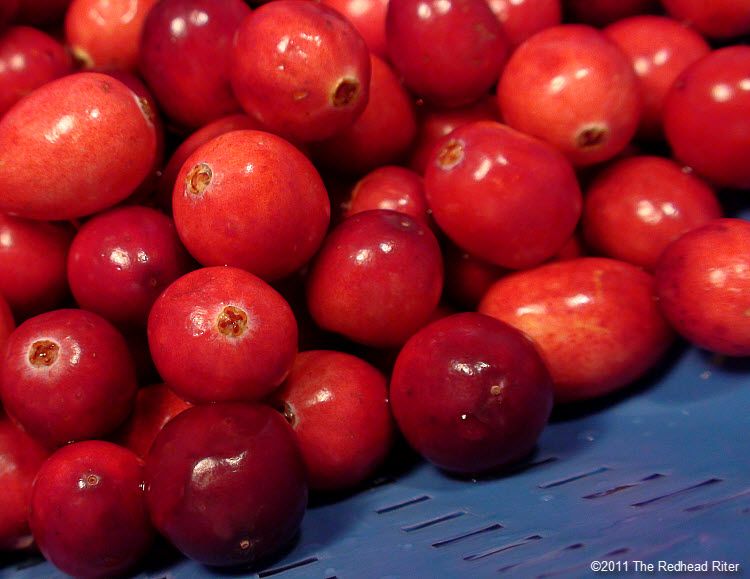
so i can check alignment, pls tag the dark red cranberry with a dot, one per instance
(324, 390)
(368, 17)
(603, 12)
(471, 394)
(121, 260)
(707, 116)
(377, 278)
(715, 19)
(481, 181)
(467, 278)
(595, 321)
(301, 69)
(416, 33)
(638, 206)
(226, 483)
(9, 9)
(20, 457)
(571, 249)
(184, 57)
(7, 323)
(390, 187)
(250, 199)
(573, 87)
(521, 19)
(88, 510)
(41, 12)
(67, 375)
(244, 329)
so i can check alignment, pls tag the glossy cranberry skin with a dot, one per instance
(67, 375)
(29, 58)
(521, 19)
(301, 69)
(390, 187)
(467, 278)
(481, 181)
(244, 329)
(250, 199)
(88, 510)
(368, 17)
(573, 87)
(716, 19)
(416, 33)
(226, 483)
(33, 259)
(184, 57)
(106, 33)
(659, 49)
(595, 321)
(603, 12)
(707, 116)
(121, 260)
(20, 459)
(47, 170)
(324, 390)
(703, 284)
(377, 278)
(381, 135)
(42, 12)
(471, 394)
(638, 206)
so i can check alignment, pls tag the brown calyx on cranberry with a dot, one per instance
(287, 412)
(450, 155)
(92, 480)
(232, 321)
(592, 136)
(43, 353)
(346, 92)
(198, 179)
(146, 109)
(81, 57)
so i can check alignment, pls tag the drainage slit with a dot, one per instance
(457, 538)
(573, 478)
(705, 483)
(507, 547)
(397, 506)
(619, 488)
(709, 504)
(289, 567)
(431, 522)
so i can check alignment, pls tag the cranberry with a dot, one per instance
(67, 375)
(29, 58)
(715, 19)
(9, 8)
(88, 510)
(521, 19)
(41, 12)
(637, 206)
(703, 284)
(121, 260)
(20, 457)
(390, 187)
(33, 264)
(226, 483)
(154, 406)
(603, 12)
(416, 31)
(571, 249)
(106, 33)
(707, 116)
(7, 323)
(184, 57)
(467, 278)
(301, 69)
(381, 135)
(250, 199)
(244, 329)
(573, 87)
(471, 394)
(368, 17)
(659, 49)
(47, 170)
(594, 319)
(377, 278)
(481, 181)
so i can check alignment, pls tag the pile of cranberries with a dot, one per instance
(245, 246)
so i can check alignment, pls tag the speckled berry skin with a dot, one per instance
(47, 170)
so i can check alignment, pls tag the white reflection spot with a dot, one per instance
(323, 395)
(442, 6)
(283, 44)
(17, 62)
(641, 65)
(531, 309)
(557, 83)
(669, 209)
(744, 84)
(647, 212)
(249, 168)
(483, 169)
(76, 357)
(62, 126)
(582, 73)
(203, 470)
(358, 7)
(661, 57)
(198, 17)
(199, 323)
(424, 11)
(6, 239)
(463, 368)
(177, 27)
(718, 277)
(120, 257)
(362, 256)
(386, 247)
(95, 113)
(721, 93)
(577, 300)
(142, 256)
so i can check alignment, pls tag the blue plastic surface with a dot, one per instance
(659, 473)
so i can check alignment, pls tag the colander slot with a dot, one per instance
(705, 483)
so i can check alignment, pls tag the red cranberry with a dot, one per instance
(226, 483)
(416, 31)
(88, 510)
(377, 278)
(467, 278)
(480, 183)
(368, 17)
(67, 375)
(154, 406)
(715, 19)
(324, 390)
(20, 457)
(47, 169)
(249, 199)
(29, 58)
(594, 319)
(106, 33)
(244, 329)
(7, 323)
(41, 12)
(703, 284)
(390, 187)
(707, 116)
(638, 206)
(301, 69)
(659, 49)
(9, 8)
(471, 394)
(121, 260)
(184, 57)
(571, 249)
(521, 19)
(381, 135)
(603, 12)
(33, 264)
(574, 88)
